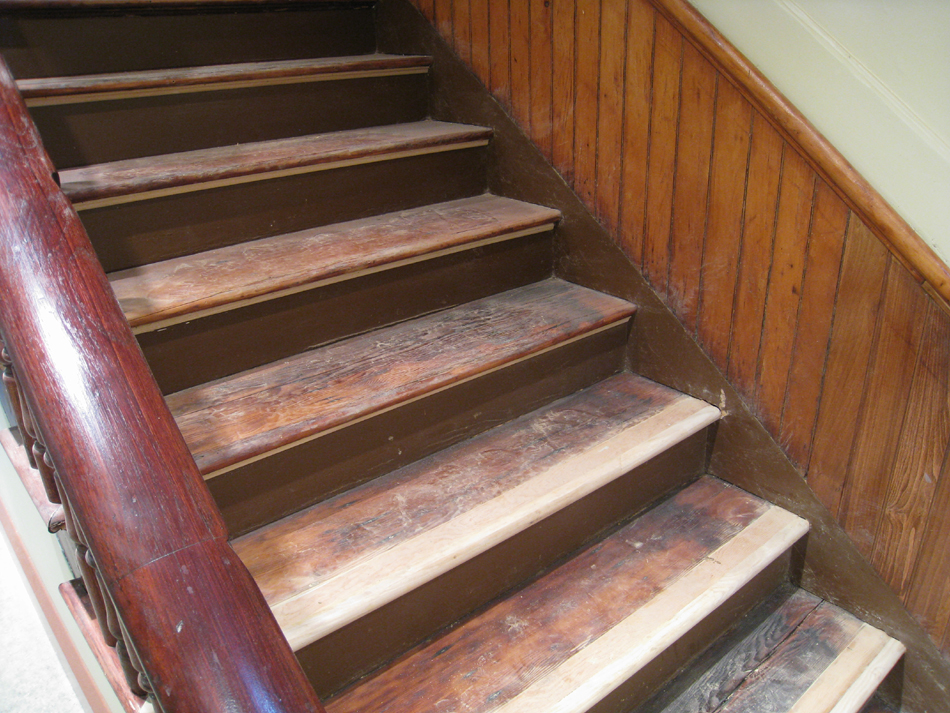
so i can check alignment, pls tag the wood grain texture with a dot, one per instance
(586, 95)
(864, 265)
(667, 70)
(758, 235)
(610, 114)
(690, 209)
(506, 652)
(859, 194)
(562, 91)
(457, 504)
(783, 299)
(730, 160)
(638, 81)
(885, 405)
(813, 330)
(119, 456)
(927, 593)
(542, 76)
(139, 178)
(921, 453)
(791, 670)
(239, 418)
(817, 360)
(48, 90)
(519, 59)
(162, 293)
(742, 658)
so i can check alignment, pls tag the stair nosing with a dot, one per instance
(221, 301)
(234, 175)
(272, 73)
(551, 693)
(372, 414)
(850, 690)
(521, 506)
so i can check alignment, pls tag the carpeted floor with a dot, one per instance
(32, 679)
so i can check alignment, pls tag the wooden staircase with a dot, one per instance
(434, 461)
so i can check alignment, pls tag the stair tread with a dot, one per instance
(68, 88)
(571, 637)
(338, 560)
(146, 177)
(832, 661)
(239, 418)
(158, 293)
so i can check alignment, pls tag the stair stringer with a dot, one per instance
(660, 348)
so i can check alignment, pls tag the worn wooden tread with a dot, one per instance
(570, 638)
(45, 91)
(772, 664)
(831, 663)
(142, 178)
(326, 566)
(160, 294)
(244, 417)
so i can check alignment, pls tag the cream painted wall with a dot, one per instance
(874, 77)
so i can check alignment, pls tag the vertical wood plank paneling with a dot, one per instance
(693, 154)
(796, 198)
(885, 402)
(520, 22)
(667, 66)
(462, 27)
(562, 149)
(724, 222)
(442, 14)
(586, 71)
(929, 592)
(826, 336)
(426, 7)
(920, 454)
(499, 43)
(613, 24)
(758, 230)
(638, 89)
(541, 76)
(860, 291)
(823, 265)
(481, 57)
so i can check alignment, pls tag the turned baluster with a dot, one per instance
(44, 464)
(88, 574)
(16, 401)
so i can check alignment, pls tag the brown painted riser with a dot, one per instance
(285, 482)
(58, 43)
(148, 231)
(343, 656)
(103, 131)
(202, 350)
(708, 681)
(665, 667)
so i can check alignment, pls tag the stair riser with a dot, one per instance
(202, 350)
(149, 231)
(652, 677)
(266, 490)
(102, 131)
(62, 43)
(339, 658)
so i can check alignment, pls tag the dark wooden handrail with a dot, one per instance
(195, 619)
